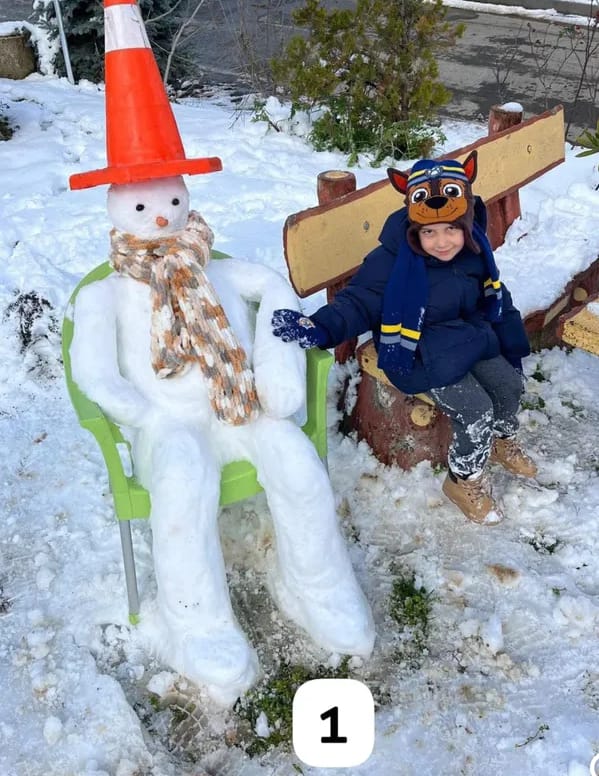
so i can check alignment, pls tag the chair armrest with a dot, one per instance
(318, 364)
(130, 498)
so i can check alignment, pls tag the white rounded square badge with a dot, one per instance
(333, 723)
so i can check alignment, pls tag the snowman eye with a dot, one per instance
(176, 201)
(140, 207)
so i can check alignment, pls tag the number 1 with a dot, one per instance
(334, 738)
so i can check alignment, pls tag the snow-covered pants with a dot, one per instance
(482, 405)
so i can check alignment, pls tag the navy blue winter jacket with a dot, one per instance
(455, 334)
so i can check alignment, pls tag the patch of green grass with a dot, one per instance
(274, 698)
(533, 403)
(410, 607)
(538, 375)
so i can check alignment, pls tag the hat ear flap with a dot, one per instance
(399, 179)
(470, 165)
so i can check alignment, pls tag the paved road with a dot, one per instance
(496, 60)
(499, 58)
(533, 62)
(15, 10)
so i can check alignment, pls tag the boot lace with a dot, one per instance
(476, 489)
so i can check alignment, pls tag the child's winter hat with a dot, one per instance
(438, 192)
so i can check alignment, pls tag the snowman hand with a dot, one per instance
(293, 326)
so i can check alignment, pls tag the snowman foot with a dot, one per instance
(337, 618)
(220, 660)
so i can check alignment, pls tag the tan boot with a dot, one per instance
(472, 496)
(510, 455)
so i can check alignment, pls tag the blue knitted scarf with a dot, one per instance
(405, 299)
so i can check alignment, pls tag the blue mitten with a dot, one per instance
(292, 326)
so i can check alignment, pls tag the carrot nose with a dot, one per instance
(161, 221)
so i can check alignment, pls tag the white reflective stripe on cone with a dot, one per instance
(124, 28)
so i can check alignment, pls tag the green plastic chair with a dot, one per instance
(131, 500)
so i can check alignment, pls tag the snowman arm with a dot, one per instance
(94, 356)
(279, 367)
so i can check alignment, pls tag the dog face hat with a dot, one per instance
(438, 192)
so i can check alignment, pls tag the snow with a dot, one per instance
(512, 107)
(552, 14)
(508, 681)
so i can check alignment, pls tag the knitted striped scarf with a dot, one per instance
(405, 299)
(188, 322)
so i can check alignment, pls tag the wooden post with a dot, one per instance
(331, 185)
(503, 212)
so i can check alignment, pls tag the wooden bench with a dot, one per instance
(579, 327)
(325, 245)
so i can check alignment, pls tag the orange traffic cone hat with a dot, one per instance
(142, 138)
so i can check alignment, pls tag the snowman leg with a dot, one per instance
(313, 581)
(205, 641)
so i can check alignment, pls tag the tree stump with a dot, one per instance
(17, 59)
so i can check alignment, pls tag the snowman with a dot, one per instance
(165, 346)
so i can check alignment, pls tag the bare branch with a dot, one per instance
(165, 14)
(177, 37)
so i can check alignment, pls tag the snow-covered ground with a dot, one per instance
(507, 678)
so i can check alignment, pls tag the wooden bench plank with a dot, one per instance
(580, 328)
(326, 244)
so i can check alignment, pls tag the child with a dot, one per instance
(442, 322)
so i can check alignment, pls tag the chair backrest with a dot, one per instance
(86, 410)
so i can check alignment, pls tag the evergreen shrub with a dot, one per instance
(83, 22)
(369, 75)
(589, 139)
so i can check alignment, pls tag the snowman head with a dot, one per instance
(149, 209)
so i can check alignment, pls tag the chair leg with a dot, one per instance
(130, 576)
